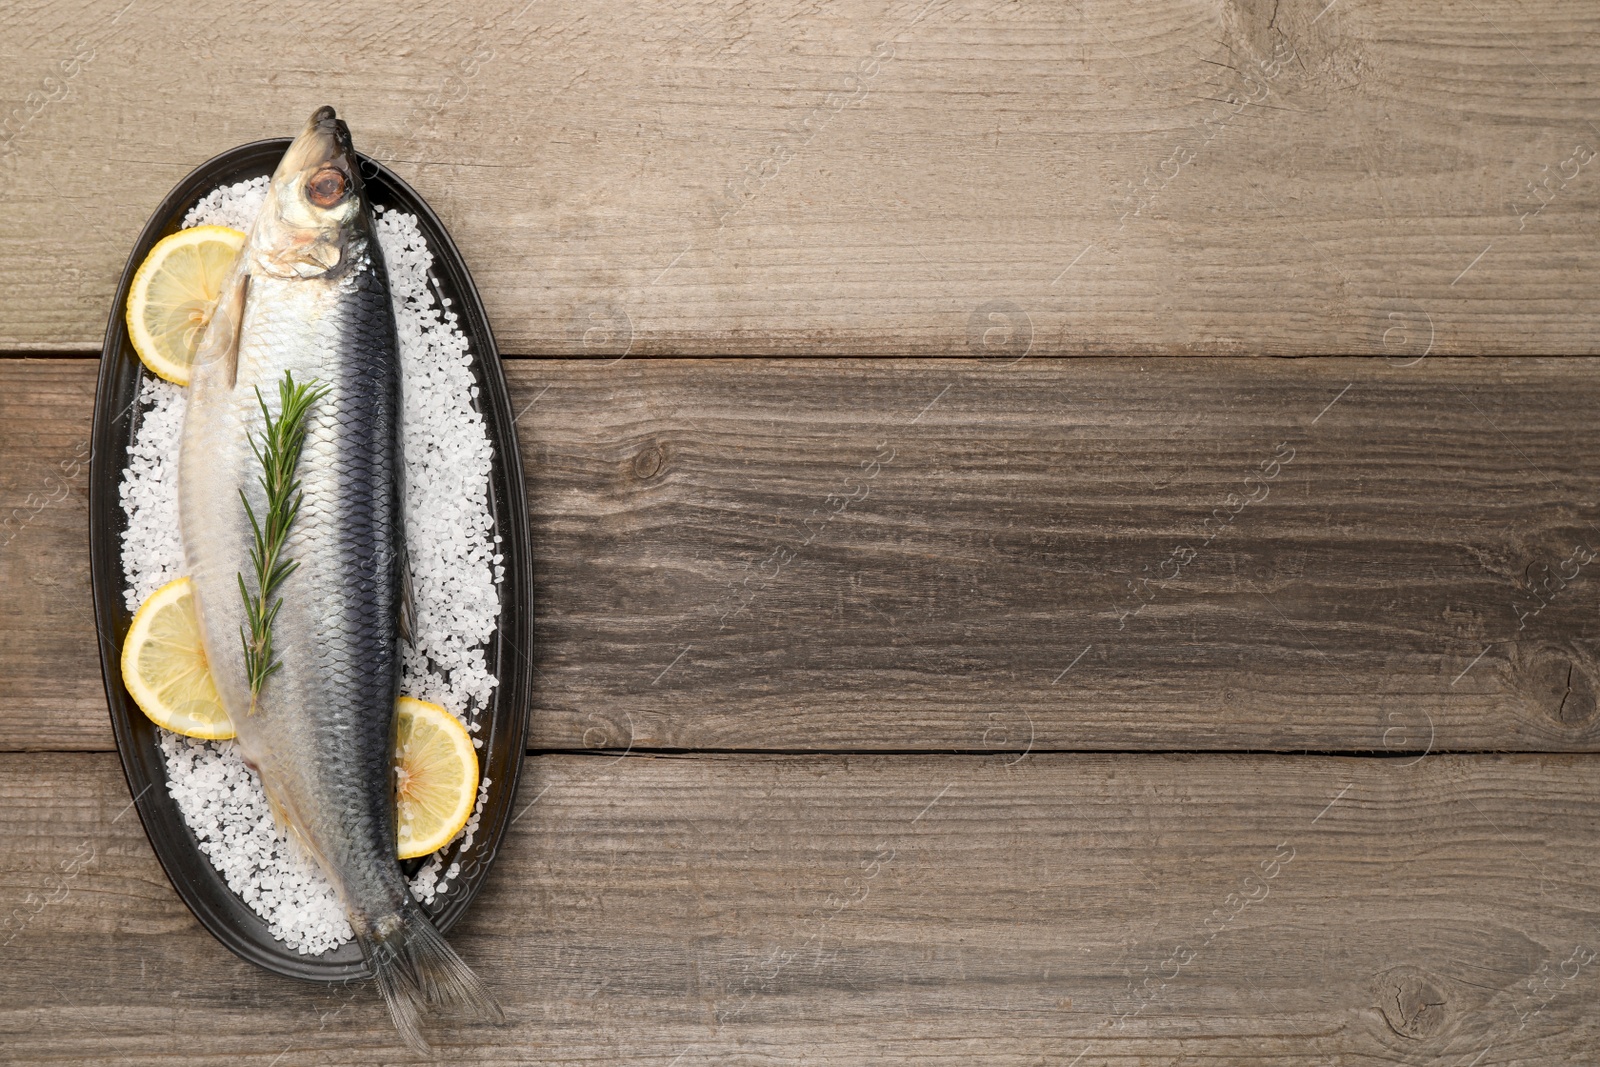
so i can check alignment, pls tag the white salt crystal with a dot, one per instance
(455, 575)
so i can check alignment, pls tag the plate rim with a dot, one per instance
(511, 646)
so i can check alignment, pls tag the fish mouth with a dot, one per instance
(324, 144)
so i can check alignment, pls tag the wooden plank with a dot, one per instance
(936, 555)
(47, 649)
(1146, 909)
(872, 177)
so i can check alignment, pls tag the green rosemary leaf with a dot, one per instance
(278, 453)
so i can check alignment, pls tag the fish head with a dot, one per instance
(315, 218)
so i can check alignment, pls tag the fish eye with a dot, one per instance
(326, 188)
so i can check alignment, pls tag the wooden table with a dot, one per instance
(998, 659)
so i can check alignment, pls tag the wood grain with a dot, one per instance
(872, 177)
(889, 910)
(941, 555)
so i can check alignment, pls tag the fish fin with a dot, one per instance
(408, 597)
(220, 343)
(280, 815)
(291, 829)
(402, 1009)
(415, 968)
(283, 817)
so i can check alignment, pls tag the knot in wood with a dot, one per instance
(648, 463)
(1561, 687)
(1412, 1004)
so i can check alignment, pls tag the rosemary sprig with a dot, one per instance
(278, 454)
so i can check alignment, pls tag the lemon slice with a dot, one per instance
(164, 666)
(436, 767)
(173, 294)
(436, 776)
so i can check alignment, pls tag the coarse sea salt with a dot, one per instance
(456, 571)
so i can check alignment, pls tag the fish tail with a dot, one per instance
(415, 968)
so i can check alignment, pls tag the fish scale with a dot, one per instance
(341, 664)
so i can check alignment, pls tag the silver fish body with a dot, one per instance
(310, 297)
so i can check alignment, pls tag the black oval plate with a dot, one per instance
(510, 652)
